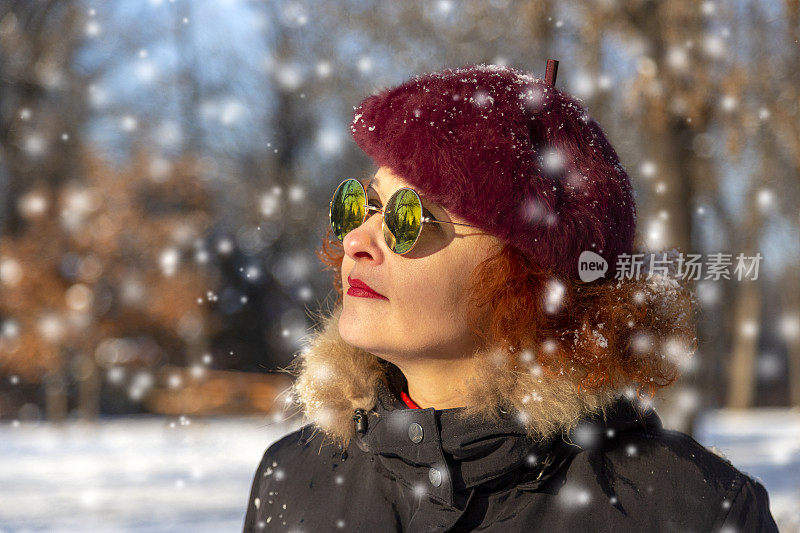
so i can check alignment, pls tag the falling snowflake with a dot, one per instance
(586, 435)
(572, 496)
(554, 296)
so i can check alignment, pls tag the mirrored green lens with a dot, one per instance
(347, 209)
(402, 219)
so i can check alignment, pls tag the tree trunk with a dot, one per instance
(55, 389)
(747, 317)
(789, 327)
(89, 383)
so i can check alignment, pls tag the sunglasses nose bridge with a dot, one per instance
(371, 211)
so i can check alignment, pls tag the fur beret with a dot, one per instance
(508, 153)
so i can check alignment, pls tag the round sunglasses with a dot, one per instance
(402, 215)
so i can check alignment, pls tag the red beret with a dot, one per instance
(509, 153)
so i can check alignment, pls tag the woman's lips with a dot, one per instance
(361, 289)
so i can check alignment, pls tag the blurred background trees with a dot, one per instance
(166, 168)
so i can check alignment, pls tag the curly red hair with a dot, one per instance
(602, 334)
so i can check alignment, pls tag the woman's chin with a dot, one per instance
(354, 328)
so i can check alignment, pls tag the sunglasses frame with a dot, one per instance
(424, 220)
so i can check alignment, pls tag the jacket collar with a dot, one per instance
(442, 454)
(438, 453)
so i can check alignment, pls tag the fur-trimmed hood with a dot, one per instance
(427, 470)
(334, 378)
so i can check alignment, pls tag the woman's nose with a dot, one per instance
(365, 240)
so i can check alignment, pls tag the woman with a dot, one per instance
(471, 376)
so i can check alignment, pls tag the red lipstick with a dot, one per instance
(359, 288)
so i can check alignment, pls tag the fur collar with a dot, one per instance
(333, 378)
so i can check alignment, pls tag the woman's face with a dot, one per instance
(423, 313)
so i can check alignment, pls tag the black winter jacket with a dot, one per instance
(422, 470)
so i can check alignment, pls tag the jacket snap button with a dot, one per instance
(415, 432)
(435, 476)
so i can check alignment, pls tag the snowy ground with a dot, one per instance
(158, 475)
(135, 474)
(764, 443)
